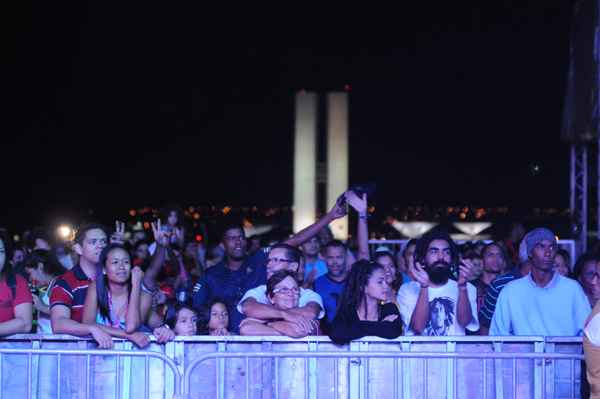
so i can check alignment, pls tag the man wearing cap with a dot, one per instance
(543, 302)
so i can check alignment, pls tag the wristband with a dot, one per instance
(363, 215)
(147, 290)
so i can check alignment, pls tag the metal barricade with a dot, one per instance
(48, 366)
(360, 388)
(408, 367)
(87, 373)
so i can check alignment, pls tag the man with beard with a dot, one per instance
(237, 273)
(434, 304)
(543, 302)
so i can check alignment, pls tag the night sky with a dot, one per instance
(113, 108)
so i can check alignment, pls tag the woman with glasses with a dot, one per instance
(283, 293)
(362, 310)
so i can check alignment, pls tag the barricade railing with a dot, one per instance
(116, 381)
(363, 383)
(311, 367)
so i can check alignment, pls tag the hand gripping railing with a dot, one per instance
(451, 356)
(95, 352)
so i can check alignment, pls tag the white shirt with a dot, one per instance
(260, 295)
(442, 308)
(592, 330)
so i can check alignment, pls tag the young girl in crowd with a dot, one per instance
(43, 268)
(182, 320)
(114, 300)
(16, 310)
(362, 310)
(283, 292)
(214, 319)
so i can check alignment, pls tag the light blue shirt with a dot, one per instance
(558, 309)
(319, 264)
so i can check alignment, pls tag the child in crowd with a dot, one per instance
(42, 267)
(182, 320)
(214, 319)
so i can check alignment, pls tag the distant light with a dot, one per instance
(65, 232)
(198, 237)
(132, 212)
(16, 238)
(347, 87)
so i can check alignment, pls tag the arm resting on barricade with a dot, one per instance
(21, 323)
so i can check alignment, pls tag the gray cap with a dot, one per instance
(535, 236)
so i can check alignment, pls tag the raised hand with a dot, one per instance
(136, 276)
(466, 271)
(359, 204)
(337, 211)
(161, 237)
(118, 236)
(420, 275)
(178, 232)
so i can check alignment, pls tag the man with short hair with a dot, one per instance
(69, 290)
(314, 266)
(543, 302)
(435, 304)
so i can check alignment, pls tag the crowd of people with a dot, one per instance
(117, 284)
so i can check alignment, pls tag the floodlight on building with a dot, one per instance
(472, 228)
(413, 229)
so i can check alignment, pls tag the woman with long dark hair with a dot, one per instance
(16, 310)
(114, 300)
(362, 310)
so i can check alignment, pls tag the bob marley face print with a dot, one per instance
(441, 316)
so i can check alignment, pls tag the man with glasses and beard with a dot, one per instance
(435, 294)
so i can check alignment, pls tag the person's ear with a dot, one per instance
(294, 267)
(78, 249)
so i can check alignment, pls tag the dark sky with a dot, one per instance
(112, 108)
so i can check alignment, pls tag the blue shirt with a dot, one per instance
(491, 297)
(319, 265)
(230, 285)
(330, 292)
(524, 308)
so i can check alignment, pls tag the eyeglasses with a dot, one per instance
(287, 291)
(591, 275)
(279, 260)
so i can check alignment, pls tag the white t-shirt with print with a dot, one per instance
(260, 295)
(442, 308)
